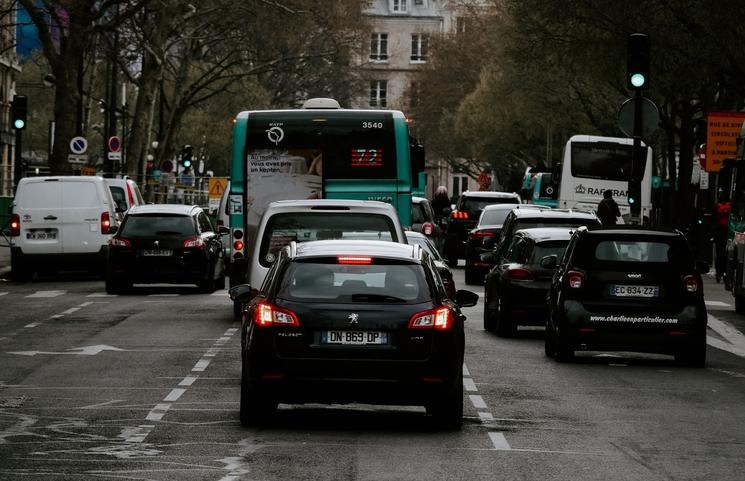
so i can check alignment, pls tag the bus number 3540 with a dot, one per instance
(372, 125)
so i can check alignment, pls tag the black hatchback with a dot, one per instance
(627, 289)
(174, 244)
(352, 321)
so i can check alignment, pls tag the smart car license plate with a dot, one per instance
(354, 338)
(39, 234)
(156, 252)
(634, 291)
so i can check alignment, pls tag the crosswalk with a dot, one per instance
(50, 294)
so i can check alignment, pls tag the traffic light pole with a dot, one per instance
(18, 169)
(638, 158)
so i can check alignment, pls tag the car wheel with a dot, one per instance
(255, 408)
(489, 316)
(208, 285)
(563, 351)
(117, 287)
(694, 356)
(740, 304)
(505, 326)
(549, 341)
(447, 411)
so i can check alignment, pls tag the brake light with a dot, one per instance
(266, 315)
(518, 274)
(15, 225)
(481, 233)
(459, 214)
(238, 245)
(105, 223)
(120, 242)
(428, 228)
(691, 283)
(355, 260)
(575, 279)
(440, 319)
(195, 242)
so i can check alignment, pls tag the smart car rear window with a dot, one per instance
(623, 252)
(157, 225)
(632, 251)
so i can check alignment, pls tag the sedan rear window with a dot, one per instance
(494, 216)
(376, 284)
(549, 248)
(157, 225)
(474, 205)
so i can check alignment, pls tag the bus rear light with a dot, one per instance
(267, 315)
(428, 228)
(105, 222)
(15, 225)
(238, 245)
(195, 242)
(355, 260)
(459, 214)
(691, 283)
(575, 279)
(440, 319)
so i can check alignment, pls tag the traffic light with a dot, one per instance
(187, 155)
(19, 112)
(637, 62)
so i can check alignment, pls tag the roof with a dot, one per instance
(172, 209)
(418, 200)
(330, 204)
(333, 248)
(512, 206)
(548, 213)
(490, 194)
(542, 234)
(628, 229)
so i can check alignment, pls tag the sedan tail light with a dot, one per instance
(575, 279)
(440, 319)
(481, 233)
(195, 242)
(459, 214)
(15, 225)
(518, 274)
(428, 228)
(691, 283)
(105, 223)
(266, 314)
(120, 242)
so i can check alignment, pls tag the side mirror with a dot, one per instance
(222, 230)
(466, 298)
(549, 262)
(240, 293)
(113, 229)
(702, 267)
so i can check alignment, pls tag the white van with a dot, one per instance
(61, 222)
(125, 192)
(286, 221)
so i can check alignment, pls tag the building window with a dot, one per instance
(419, 48)
(379, 47)
(399, 6)
(379, 93)
(460, 184)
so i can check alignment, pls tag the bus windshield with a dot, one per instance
(601, 160)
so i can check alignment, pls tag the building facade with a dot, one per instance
(9, 68)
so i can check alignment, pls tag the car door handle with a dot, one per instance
(50, 217)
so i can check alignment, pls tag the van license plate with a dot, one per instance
(634, 291)
(156, 252)
(354, 338)
(42, 235)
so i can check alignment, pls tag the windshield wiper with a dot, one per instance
(376, 297)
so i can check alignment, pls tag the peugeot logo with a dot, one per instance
(156, 243)
(353, 319)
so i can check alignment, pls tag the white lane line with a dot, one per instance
(486, 416)
(71, 310)
(220, 293)
(477, 401)
(469, 385)
(499, 441)
(714, 342)
(727, 331)
(137, 434)
(188, 380)
(201, 365)
(56, 316)
(174, 395)
(163, 295)
(157, 413)
(465, 370)
(101, 294)
(3, 294)
(32, 325)
(45, 294)
(86, 304)
(717, 304)
(231, 331)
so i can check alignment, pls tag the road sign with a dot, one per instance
(650, 117)
(216, 187)
(78, 145)
(114, 155)
(722, 129)
(115, 144)
(77, 159)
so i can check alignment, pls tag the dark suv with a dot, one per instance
(627, 289)
(464, 218)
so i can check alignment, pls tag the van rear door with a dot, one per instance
(38, 206)
(82, 208)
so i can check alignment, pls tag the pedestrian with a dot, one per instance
(721, 218)
(608, 210)
(440, 202)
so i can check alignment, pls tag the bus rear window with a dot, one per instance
(601, 160)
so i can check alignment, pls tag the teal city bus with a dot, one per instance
(318, 151)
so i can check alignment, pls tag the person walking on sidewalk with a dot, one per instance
(721, 217)
(608, 211)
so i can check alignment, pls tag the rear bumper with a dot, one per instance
(77, 261)
(173, 270)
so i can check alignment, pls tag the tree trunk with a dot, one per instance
(65, 115)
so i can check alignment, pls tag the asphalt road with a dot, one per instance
(145, 387)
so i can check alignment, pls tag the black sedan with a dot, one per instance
(516, 288)
(446, 274)
(627, 289)
(173, 244)
(352, 321)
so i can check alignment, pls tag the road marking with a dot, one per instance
(45, 294)
(79, 351)
(486, 416)
(99, 405)
(101, 294)
(157, 413)
(717, 304)
(499, 441)
(201, 365)
(714, 342)
(3, 294)
(465, 370)
(137, 434)
(32, 325)
(220, 293)
(468, 384)
(56, 316)
(174, 395)
(71, 310)
(188, 380)
(163, 295)
(477, 401)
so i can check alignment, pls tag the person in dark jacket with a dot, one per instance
(608, 210)
(440, 201)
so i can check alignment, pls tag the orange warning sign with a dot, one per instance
(216, 187)
(722, 129)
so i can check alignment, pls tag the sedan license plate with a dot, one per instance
(634, 291)
(156, 252)
(354, 338)
(42, 235)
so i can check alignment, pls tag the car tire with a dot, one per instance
(207, 286)
(740, 304)
(694, 356)
(255, 409)
(489, 317)
(563, 351)
(505, 326)
(447, 412)
(117, 287)
(549, 341)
